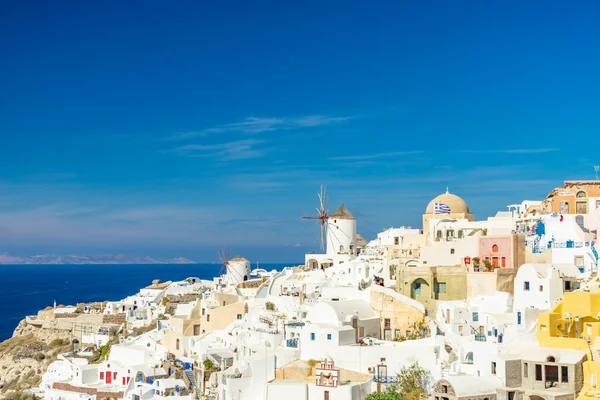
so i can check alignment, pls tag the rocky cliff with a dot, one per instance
(26, 356)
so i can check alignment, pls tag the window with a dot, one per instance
(581, 194)
(386, 323)
(396, 240)
(207, 317)
(564, 207)
(203, 311)
(526, 286)
(329, 336)
(450, 234)
(451, 251)
(196, 330)
(538, 372)
(396, 332)
(460, 329)
(101, 375)
(578, 261)
(494, 248)
(598, 203)
(439, 234)
(525, 370)
(567, 285)
(239, 316)
(564, 374)
(441, 287)
(503, 262)
(460, 234)
(444, 388)
(541, 288)
(493, 368)
(312, 336)
(326, 395)
(475, 316)
(177, 344)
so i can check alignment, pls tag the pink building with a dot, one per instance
(502, 251)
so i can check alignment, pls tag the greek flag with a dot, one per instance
(441, 208)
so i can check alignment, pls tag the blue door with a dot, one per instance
(519, 318)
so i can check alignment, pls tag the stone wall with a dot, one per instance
(401, 311)
(115, 319)
(91, 391)
(513, 373)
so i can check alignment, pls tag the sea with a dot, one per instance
(26, 289)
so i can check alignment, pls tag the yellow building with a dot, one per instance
(574, 323)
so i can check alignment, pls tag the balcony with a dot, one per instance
(292, 343)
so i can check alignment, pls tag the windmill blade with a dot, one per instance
(322, 237)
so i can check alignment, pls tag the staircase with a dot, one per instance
(190, 378)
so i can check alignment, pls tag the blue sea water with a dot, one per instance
(26, 289)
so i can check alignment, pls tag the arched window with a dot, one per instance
(581, 194)
(439, 234)
(494, 248)
(550, 359)
(460, 234)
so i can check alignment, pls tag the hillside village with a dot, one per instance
(504, 308)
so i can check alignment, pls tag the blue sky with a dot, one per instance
(149, 128)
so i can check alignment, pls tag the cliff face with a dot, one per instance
(26, 356)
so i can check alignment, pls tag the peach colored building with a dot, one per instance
(574, 197)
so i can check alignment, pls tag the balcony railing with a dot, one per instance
(292, 343)
(385, 379)
(480, 337)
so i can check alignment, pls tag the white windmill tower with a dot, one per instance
(234, 270)
(337, 230)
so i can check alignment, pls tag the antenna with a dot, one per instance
(596, 168)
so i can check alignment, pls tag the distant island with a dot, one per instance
(89, 259)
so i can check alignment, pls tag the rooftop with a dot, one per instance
(342, 213)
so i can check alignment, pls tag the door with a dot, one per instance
(387, 334)
(494, 261)
(326, 395)
(108, 377)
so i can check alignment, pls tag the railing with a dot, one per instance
(385, 379)
(292, 343)
(480, 337)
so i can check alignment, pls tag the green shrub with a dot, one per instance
(208, 364)
(58, 342)
(270, 306)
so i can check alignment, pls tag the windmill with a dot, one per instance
(323, 215)
(224, 257)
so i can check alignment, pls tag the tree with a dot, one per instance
(389, 394)
(414, 382)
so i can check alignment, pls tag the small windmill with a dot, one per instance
(224, 257)
(323, 215)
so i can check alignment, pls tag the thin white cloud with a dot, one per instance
(253, 125)
(227, 151)
(374, 156)
(512, 151)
